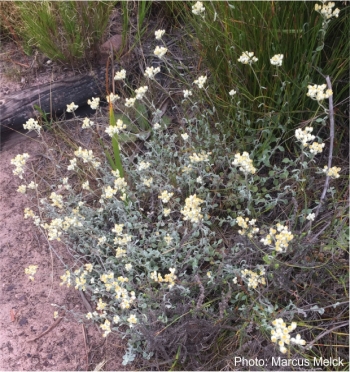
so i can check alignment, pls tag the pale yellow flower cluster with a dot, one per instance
(66, 279)
(187, 93)
(127, 298)
(102, 240)
(253, 278)
(106, 327)
(31, 271)
(101, 305)
(160, 51)
(87, 156)
(326, 10)
(85, 185)
(128, 267)
(29, 213)
(19, 162)
(200, 81)
(87, 123)
(159, 34)
(185, 136)
(140, 92)
(247, 58)
(198, 8)
(94, 103)
(72, 221)
(54, 229)
(120, 75)
(166, 212)
(117, 128)
(118, 229)
(119, 185)
(151, 72)
(57, 200)
(192, 210)
(332, 172)
(244, 162)
(248, 226)
(80, 279)
(305, 135)
(197, 158)
(121, 239)
(232, 92)
(32, 124)
(72, 107)
(281, 240)
(143, 165)
(120, 252)
(311, 216)
(168, 239)
(32, 185)
(168, 278)
(281, 334)
(129, 102)
(318, 92)
(165, 196)
(277, 60)
(316, 148)
(132, 320)
(73, 164)
(147, 181)
(112, 97)
(22, 189)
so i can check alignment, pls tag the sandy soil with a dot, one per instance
(26, 307)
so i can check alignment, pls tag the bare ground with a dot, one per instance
(27, 309)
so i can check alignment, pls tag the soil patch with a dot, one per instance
(27, 307)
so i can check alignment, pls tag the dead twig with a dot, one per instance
(85, 301)
(86, 348)
(309, 346)
(57, 321)
(17, 63)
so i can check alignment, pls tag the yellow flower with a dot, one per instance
(101, 305)
(132, 320)
(31, 271)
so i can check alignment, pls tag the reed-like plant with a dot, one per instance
(66, 31)
(226, 29)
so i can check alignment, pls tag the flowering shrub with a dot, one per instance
(181, 238)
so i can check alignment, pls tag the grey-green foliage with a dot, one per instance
(195, 250)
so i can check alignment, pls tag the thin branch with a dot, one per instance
(309, 346)
(330, 156)
(57, 321)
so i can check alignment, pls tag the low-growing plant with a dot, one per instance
(191, 245)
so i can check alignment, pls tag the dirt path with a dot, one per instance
(26, 309)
